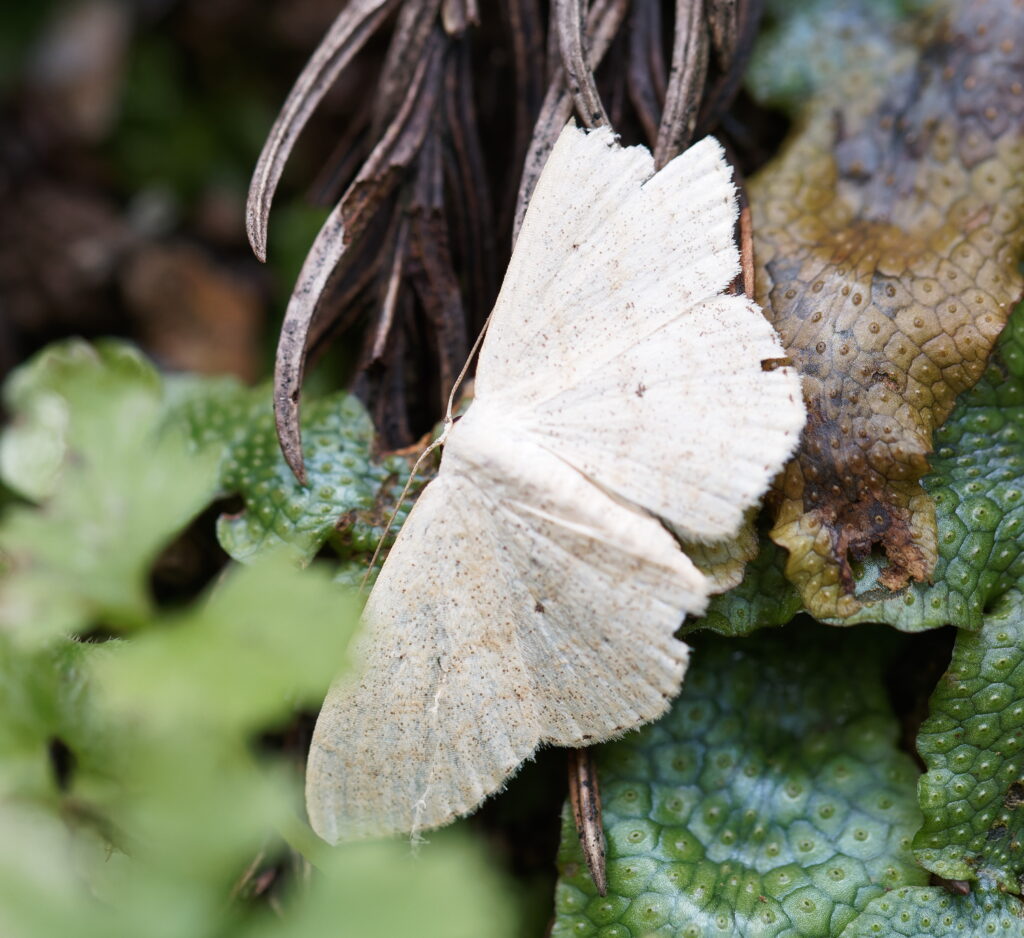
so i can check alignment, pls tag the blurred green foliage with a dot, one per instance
(145, 788)
(170, 136)
(19, 25)
(112, 485)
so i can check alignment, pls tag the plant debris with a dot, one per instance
(887, 240)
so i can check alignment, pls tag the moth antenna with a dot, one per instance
(401, 499)
(465, 368)
(449, 420)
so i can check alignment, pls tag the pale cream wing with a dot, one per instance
(628, 360)
(519, 605)
(586, 181)
(687, 422)
(606, 256)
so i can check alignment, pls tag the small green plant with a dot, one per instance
(140, 793)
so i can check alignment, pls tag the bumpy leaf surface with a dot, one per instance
(770, 801)
(977, 485)
(935, 913)
(763, 598)
(350, 495)
(973, 744)
(888, 234)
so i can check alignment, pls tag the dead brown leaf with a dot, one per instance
(888, 235)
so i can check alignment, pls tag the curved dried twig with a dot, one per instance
(526, 30)
(348, 34)
(585, 798)
(732, 51)
(416, 21)
(473, 223)
(458, 15)
(410, 241)
(686, 82)
(432, 275)
(379, 175)
(723, 24)
(603, 23)
(569, 17)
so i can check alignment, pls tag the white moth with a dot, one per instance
(533, 594)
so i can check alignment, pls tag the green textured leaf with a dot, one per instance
(351, 492)
(764, 598)
(115, 485)
(977, 484)
(803, 47)
(771, 800)
(973, 745)
(935, 913)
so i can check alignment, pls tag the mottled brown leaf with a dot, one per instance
(888, 235)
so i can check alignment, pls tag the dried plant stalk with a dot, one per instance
(411, 241)
(349, 33)
(585, 799)
(686, 84)
(569, 17)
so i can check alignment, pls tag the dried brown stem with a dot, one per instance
(569, 18)
(526, 29)
(719, 95)
(585, 799)
(747, 250)
(434, 278)
(645, 69)
(603, 23)
(390, 301)
(349, 33)
(722, 17)
(467, 182)
(686, 81)
(378, 177)
(412, 36)
(458, 15)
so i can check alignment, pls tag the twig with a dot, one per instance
(379, 175)
(569, 17)
(603, 22)
(356, 23)
(686, 81)
(585, 798)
